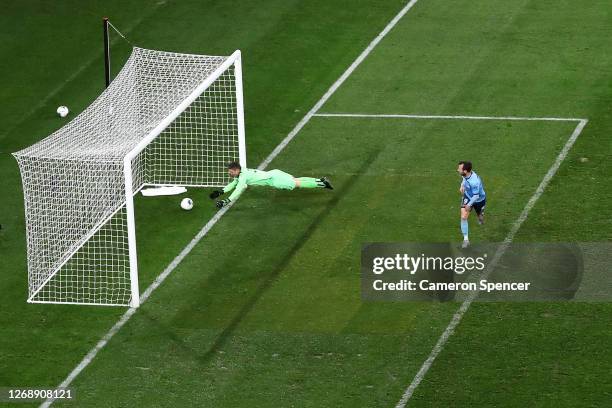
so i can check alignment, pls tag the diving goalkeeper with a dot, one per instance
(273, 178)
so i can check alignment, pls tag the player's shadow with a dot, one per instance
(226, 333)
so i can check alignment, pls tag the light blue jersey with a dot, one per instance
(473, 190)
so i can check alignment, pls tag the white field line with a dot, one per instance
(337, 84)
(466, 303)
(130, 312)
(398, 116)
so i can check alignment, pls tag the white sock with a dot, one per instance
(465, 238)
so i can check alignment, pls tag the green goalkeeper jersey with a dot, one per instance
(254, 177)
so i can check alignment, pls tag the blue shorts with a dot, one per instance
(478, 206)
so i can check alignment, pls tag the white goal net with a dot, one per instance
(166, 119)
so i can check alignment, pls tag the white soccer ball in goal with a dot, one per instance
(167, 119)
(186, 204)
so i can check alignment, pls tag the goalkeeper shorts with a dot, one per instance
(281, 180)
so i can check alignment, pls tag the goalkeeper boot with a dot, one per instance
(326, 183)
(465, 244)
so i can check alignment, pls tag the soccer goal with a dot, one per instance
(166, 119)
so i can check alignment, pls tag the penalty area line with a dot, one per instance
(458, 315)
(158, 281)
(456, 117)
(464, 307)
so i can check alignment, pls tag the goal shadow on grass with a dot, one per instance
(222, 338)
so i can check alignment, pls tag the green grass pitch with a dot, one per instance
(266, 309)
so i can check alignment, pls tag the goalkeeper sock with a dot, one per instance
(464, 229)
(310, 182)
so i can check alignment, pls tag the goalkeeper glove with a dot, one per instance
(223, 203)
(215, 194)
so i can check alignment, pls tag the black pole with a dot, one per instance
(106, 52)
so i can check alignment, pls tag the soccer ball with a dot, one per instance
(62, 111)
(187, 204)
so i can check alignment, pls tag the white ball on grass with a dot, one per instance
(187, 204)
(62, 111)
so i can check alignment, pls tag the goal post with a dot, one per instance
(166, 119)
